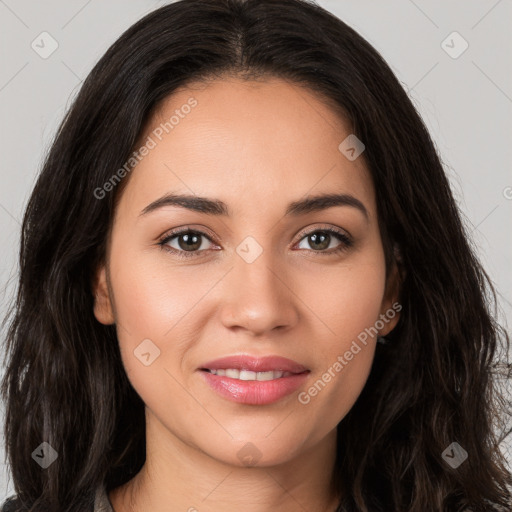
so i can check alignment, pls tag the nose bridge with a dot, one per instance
(257, 297)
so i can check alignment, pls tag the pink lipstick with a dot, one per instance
(254, 380)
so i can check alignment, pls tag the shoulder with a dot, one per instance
(12, 504)
(101, 503)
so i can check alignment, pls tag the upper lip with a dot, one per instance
(255, 364)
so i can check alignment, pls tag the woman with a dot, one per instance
(245, 285)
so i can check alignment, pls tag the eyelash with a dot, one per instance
(346, 241)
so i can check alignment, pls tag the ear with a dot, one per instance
(391, 307)
(103, 310)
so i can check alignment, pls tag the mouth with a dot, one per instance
(255, 364)
(254, 380)
(233, 373)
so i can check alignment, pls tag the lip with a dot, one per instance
(255, 364)
(255, 392)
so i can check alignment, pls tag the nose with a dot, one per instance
(257, 297)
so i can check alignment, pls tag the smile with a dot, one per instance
(233, 373)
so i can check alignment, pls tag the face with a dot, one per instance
(251, 276)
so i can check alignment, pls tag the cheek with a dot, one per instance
(150, 304)
(347, 302)
(151, 307)
(344, 298)
(169, 305)
(151, 298)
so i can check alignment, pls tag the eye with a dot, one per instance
(188, 241)
(320, 239)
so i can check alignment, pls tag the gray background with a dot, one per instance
(466, 102)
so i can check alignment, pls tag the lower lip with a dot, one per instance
(254, 392)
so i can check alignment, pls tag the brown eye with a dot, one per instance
(189, 241)
(321, 239)
(186, 242)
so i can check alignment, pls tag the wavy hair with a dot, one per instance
(433, 384)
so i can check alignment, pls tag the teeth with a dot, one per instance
(267, 375)
(233, 374)
(249, 375)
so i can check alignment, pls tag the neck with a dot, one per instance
(179, 477)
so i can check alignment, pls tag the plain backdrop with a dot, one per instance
(461, 83)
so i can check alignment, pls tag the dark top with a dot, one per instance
(101, 503)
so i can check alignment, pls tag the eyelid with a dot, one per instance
(323, 227)
(164, 239)
(303, 232)
(186, 229)
(346, 238)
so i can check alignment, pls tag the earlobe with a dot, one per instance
(103, 310)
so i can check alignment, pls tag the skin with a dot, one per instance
(257, 146)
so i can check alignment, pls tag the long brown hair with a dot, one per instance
(431, 385)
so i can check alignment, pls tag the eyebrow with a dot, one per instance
(219, 208)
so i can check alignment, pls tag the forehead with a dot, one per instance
(246, 142)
